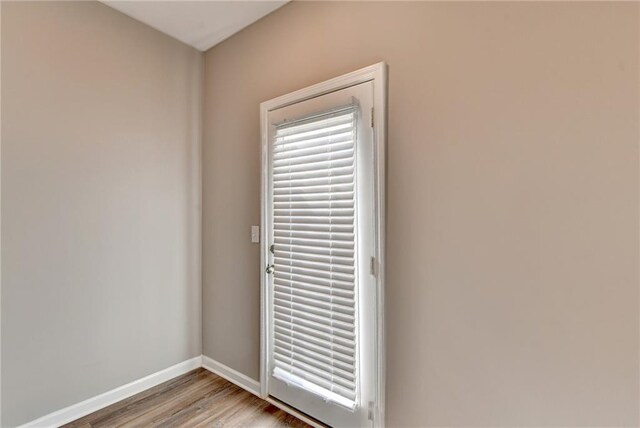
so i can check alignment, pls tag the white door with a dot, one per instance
(320, 224)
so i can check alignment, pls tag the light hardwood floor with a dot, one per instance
(196, 399)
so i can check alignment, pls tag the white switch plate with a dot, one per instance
(255, 234)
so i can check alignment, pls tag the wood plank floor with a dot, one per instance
(196, 399)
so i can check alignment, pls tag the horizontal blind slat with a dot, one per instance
(313, 352)
(332, 352)
(315, 272)
(286, 323)
(313, 189)
(337, 348)
(320, 202)
(313, 197)
(314, 235)
(316, 232)
(337, 286)
(327, 318)
(344, 392)
(331, 268)
(322, 172)
(339, 309)
(333, 255)
(306, 182)
(336, 296)
(304, 256)
(344, 154)
(318, 367)
(329, 213)
(311, 166)
(331, 143)
(287, 133)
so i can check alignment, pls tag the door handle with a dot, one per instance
(270, 268)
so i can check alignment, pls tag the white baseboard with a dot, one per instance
(233, 376)
(253, 386)
(76, 411)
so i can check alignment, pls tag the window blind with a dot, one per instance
(314, 283)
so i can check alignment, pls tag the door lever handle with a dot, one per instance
(270, 268)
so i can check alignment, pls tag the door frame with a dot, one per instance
(376, 73)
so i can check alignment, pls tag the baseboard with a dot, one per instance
(253, 386)
(76, 411)
(233, 376)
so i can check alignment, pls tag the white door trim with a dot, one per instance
(376, 73)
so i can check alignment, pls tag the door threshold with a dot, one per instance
(295, 412)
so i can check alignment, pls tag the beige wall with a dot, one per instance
(100, 204)
(512, 200)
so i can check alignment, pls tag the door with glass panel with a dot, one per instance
(320, 220)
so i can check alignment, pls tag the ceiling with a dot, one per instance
(201, 24)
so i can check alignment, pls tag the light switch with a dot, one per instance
(255, 234)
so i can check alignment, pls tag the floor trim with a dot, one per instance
(76, 411)
(252, 386)
(233, 376)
